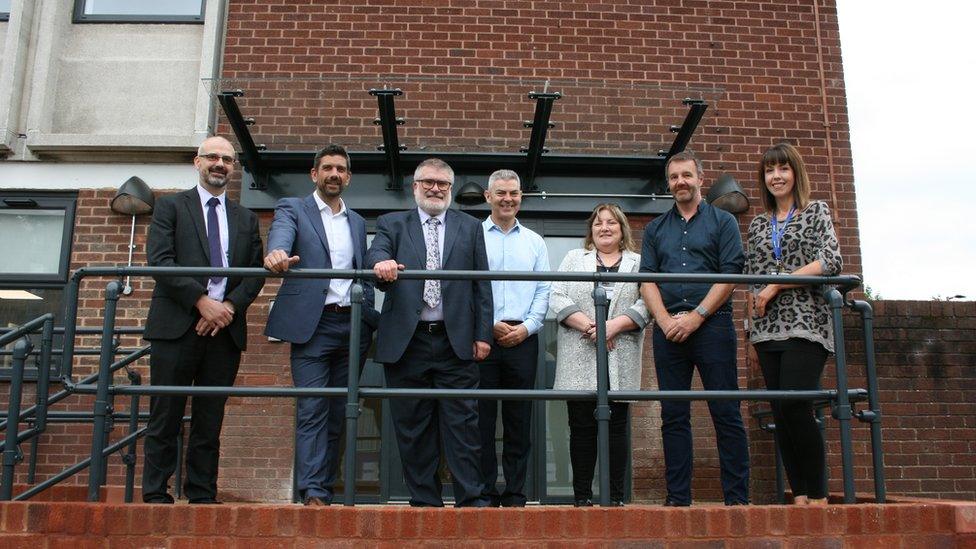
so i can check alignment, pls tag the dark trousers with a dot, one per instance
(507, 368)
(422, 424)
(712, 349)
(793, 365)
(583, 447)
(188, 360)
(323, 361)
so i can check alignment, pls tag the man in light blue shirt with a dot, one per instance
(520, 310)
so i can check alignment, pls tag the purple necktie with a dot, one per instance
(213, 236)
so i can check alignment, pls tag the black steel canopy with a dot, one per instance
(553, 184)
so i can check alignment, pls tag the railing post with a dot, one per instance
(352, 397)
(130, 457)
(21, 349)
(602, 411)
(112, 291)
(43, 384)
(873, 415)
(70, 323)
(842, 410)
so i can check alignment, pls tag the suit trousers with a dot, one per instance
(421, 424)
(323, 361)
(712, 349)
(507, 368)
(189, 360)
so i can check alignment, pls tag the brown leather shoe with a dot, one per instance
(316, 501)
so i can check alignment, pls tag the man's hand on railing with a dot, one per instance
(214, 312)
(277, 261)
(388, 270)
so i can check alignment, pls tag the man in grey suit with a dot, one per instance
(429, 333)
(197, 325)
(318, 232)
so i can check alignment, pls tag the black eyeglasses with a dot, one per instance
(428, 184)
(214, 157)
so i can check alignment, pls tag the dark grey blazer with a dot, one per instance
(467, 304)
(297, 229)
(178, 238)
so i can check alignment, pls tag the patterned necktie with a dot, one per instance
(432, 288)
(213, 236)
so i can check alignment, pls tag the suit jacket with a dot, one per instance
(178, 238)
(467, 303)
(576, 358)
(297, 229)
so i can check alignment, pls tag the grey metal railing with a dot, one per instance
(841, 397)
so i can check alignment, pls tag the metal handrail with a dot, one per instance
(103, 391)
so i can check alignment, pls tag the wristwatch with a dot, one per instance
(702, 311)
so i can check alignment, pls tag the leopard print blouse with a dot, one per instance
(797, 312)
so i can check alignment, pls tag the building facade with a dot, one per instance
(93, 93)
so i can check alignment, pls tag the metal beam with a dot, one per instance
(688, 127)
(537, 140)
(391, 142)
(250, 153)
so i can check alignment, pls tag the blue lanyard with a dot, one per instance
(778, 233)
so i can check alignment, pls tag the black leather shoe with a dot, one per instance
(616, 503)
(671, 503)
(205, 501)
(585, 502)
(159, 500)
(737, 502)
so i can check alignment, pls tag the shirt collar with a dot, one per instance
(424, 216)
(323, 206)
(489, 225)
(702, 206)
(205, 196)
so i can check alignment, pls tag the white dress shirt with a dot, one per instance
(339, 236)
(216, 291)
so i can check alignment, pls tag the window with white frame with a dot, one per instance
(139, 11)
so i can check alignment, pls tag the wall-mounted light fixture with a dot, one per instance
(133, 198)
(726, 194)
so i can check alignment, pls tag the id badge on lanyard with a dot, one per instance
(777, 231)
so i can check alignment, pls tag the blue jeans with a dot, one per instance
(712, 349)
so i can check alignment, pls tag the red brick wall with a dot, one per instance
(926, 362)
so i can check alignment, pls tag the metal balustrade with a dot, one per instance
(100, 384)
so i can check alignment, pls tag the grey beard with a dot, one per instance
(216, 182)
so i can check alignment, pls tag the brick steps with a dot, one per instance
(910, 525)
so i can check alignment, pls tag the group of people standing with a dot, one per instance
(468, 334)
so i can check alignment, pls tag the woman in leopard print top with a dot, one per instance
(791, 326)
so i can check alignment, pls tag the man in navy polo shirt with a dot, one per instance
(693, 327)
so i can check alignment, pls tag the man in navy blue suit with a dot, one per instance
(318, 232)
(430, 331)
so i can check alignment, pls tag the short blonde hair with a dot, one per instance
(626, 240)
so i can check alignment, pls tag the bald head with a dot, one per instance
(215, 161)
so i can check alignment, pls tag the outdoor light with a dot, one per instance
(133, 198)
(726, 194)
(470, 194)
